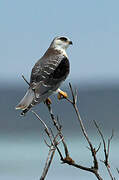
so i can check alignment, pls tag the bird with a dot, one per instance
(47, 75)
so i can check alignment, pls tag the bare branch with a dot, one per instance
(58, 127)
(93, 151)
(117, 172)
(76, 95)
(68, 159)
(48, 163)
(104, 144)
(98, 147)
(46, 143)
(44, 124)
(106, 150)
(52, 147)
(58, 138)
(109, 140)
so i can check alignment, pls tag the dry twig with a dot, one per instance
(106, 149)
(94, 168)
(54, 143)
(67, 159)
(52, 147)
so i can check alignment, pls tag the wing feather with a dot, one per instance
(44, 76)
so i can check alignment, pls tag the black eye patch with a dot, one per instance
(63, 39)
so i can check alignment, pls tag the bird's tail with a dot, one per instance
(27, 100)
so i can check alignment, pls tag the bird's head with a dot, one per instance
(61, 43)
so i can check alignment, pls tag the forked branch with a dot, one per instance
(53, 146)
(106, 149)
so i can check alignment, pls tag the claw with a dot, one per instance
(48, 101)
(62, 94)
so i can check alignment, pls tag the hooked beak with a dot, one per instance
(70, 42)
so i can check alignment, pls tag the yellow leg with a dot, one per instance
(48, 101)
(62, 94)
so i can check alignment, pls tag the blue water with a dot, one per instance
(23, 157)
(23, 151)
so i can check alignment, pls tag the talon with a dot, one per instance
(62, 94)
(48, 101)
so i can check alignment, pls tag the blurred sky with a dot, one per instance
(27, 28)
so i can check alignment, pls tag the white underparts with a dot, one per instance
(61, 50)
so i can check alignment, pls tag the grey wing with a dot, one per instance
(45, 76)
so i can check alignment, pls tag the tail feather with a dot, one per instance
(27, 100)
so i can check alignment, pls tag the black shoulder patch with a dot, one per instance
(62, 70)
